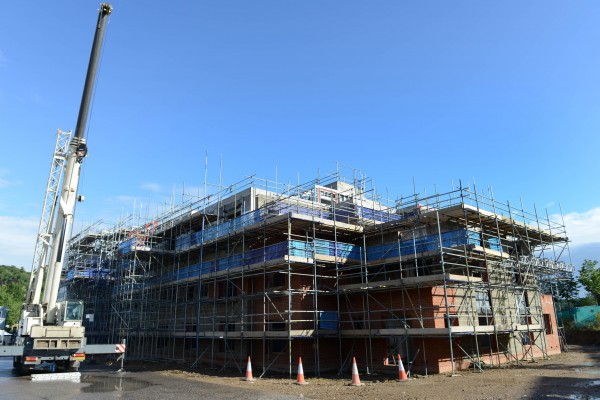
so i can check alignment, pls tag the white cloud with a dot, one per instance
(151, 186)
(582, 228)
(17, 240)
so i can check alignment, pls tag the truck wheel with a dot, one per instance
(63, 366)
(20, 367)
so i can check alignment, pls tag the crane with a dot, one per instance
(51, 333)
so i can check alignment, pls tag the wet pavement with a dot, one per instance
(117, 383)
(99, 382)
(571, 376)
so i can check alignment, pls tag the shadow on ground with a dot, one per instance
(579, 388)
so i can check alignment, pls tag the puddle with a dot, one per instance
(6, 369)
(587, 371)
(582, 397)
(112, 384)
(589, 384)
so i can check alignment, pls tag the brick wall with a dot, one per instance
(552, 339)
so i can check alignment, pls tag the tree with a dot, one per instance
(563, 288)
(589, 277)
(567, 289)
(13, 289)
(584, 301)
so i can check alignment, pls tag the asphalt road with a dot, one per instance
(99, 382)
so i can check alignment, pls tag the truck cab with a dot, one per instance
(70, 313)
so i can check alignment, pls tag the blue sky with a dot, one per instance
(506, 93)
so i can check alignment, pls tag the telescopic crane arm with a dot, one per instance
(70, 183)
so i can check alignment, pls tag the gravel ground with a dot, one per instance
(571, 375)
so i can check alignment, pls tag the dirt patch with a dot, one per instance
(571, 375)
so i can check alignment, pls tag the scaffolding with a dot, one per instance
(326, 270)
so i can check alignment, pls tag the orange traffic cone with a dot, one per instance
(249, 377)
(355, 378)
(300, 378)
(401, 372)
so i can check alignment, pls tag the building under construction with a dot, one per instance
(327, 270)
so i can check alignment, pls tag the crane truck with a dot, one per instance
(51, 334)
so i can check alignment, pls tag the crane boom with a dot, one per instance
(44, 236)
(77, 151)
(86, 97)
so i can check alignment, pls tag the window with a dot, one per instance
(277, 280)
(74, 311)
(191, 293)
(231, 289)
(548, 324)
(522, 303)
(484, 305)
(277, 326)
(484, 342)
(227, 289)
(277, 345)
(168, 295)
(453, 320)
(527, 338)
(204, 290)
(326, 195)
